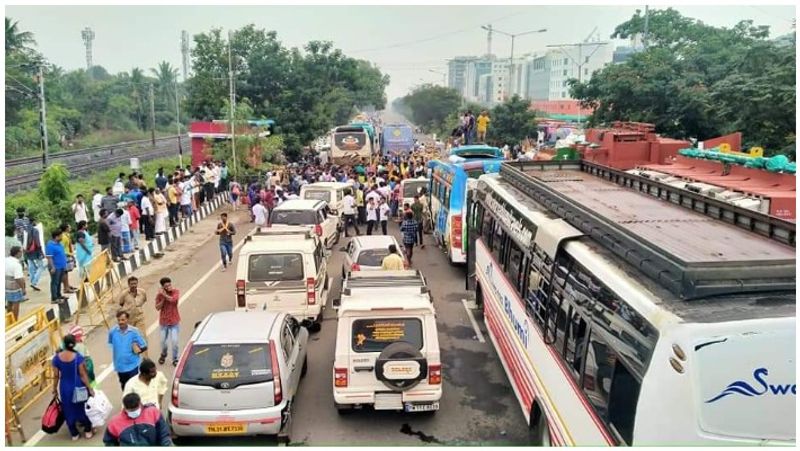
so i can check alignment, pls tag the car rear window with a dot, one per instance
(294, 217)
(274, 267)
(372, 257)
(229, 364)
(317, 195)
(411, 189)
(375, 334)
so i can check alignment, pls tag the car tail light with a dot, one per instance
(178, 371)
(588, 382)
(276, 371)
(311, 295)
(434, 374)
(340, 377)
(457, 232)
(240, 301)
(355, 267)
(318, 230)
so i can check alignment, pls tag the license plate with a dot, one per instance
(422, 407)
(226, 428)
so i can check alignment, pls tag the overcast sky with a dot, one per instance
(405, 42)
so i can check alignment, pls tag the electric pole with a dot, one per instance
(232, 101)
(178, 122)
(185, 53)
(88, 37)
(646, 25)
(43, 119)
(152, 117)
(488, 28)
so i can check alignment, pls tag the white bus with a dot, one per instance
(598, 353)
(350, 145)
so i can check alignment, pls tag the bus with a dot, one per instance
(447, 196)
(477, 151)
(603, 344)
(397, 139)
(350, 144)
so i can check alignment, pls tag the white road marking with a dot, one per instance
(107, 372)
(475, 327)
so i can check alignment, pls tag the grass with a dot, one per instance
(94, 139)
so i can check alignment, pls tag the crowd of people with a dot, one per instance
(131, 212)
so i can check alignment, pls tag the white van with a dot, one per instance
(283, 270)
(314, 214)
(387, 347)
(410, 188)
(331, 192)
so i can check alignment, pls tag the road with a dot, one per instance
(478, 405)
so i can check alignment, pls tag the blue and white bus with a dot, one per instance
(448, 194)
(474, 151)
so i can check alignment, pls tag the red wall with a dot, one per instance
(571, 107)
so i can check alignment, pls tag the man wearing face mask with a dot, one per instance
(137, 425)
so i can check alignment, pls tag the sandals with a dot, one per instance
(88, 434)
(175, 362)
(162, 359)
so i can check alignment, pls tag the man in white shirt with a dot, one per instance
(349, 212)
(80, 210)
(150, 384)
(375, 195)
(148, 217)
(260, 213)
(217, 171)
(16, 292)
(383, 214)
(186, 198)
(385, 191)
(97, 199)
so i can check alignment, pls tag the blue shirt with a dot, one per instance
(122, 348)
(409, 229)
(56, 251)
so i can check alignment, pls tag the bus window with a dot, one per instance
(487, 231)
(514, 266)
(575, 346)
(497, 243)
(622, 402)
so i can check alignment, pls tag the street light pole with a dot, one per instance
(232, 102)
(43, 119)
(513, 36)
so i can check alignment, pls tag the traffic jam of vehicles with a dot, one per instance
(613, 293)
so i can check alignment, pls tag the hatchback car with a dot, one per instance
(238, 380)
(365, 253)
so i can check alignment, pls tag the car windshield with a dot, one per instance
(317, 195)
(274, 267)
(227, 365)
(294, 217)
(375, 334)
(372, 257)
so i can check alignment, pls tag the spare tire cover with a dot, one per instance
(401, 366)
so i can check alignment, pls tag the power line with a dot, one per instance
(431, 38)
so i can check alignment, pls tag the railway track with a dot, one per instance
(99, 158)
(126, 146)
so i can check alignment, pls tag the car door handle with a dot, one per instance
(364, 368)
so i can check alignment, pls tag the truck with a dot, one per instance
(396, 139)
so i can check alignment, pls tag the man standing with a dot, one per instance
(134, 215)
(97, 199)
(409, 229)
(137, 425)
(483, 126)
(161, 180)
(150, 384)
(127, 345)
(104, 231)
(131, 302)
(383, 214)
(79, 209)
(168, 319)
(114, 221)
(417, 209)
(172, 201)
(260, 213)
(360, 206)
(21, 226)
(372, 215)
(349, 212)
(34, 251)
(109, 201)
(186, 198)
(225, 230)
(57, 264)
(223, 177)
(148, 218)
(84, 247)
(393, 261)
(15, 282)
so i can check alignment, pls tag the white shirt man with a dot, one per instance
(147, 207)
(349, 204)
(384, 211)
(372, 211)
(385, 192)
(79, 210)
(260, 212)
(375, 195)
(186, 194)
(217, 171)
(97, 199)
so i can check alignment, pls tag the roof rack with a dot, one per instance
(695, 246)
(302, 231)
(379, 279)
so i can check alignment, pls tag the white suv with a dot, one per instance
(387, 347)
(314, 214)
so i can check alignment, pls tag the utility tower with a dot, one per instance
(88, 37)
(488, 29)
(185, 53)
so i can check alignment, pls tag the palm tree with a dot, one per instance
(166, 78)
(17, 40)
(137, 81)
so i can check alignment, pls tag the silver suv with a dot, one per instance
(238, 375)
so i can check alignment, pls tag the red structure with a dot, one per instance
(199, 132)
(627, 145)
(567, 107)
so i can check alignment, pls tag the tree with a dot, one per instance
(699, 81)
(431, 105)
(512, 122)
(16, 40)
(166, 79)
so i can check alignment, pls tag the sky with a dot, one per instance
(410, 43)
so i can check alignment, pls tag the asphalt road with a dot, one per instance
(478, 405)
